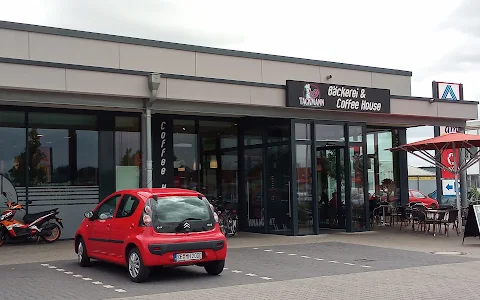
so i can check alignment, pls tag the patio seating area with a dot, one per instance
(418, 217)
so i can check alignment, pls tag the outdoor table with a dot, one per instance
(432, 214)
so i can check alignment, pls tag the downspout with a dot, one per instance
(153, 85)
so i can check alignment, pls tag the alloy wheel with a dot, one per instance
(134, 264)
(80, 252)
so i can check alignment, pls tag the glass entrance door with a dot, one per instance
(330, 187)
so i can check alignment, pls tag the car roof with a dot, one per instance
(161, 192)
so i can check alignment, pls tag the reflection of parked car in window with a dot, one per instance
(144, 228)
(414, 196)
(417, 196)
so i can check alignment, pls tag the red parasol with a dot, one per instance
(449, 141)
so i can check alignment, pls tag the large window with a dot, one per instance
(304, 189)
(381, 174)
(127, 152)
(12, 156)
(185, 151)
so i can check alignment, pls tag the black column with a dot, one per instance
(162, 151)
(403, 167)
(106, 155)
(348, 182)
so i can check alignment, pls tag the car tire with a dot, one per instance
(215, 267)
(137, 271)
(82, 257)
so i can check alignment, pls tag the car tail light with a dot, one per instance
(147, 220)
(148, 209)
(215, 216)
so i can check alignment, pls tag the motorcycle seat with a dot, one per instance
(29, 218)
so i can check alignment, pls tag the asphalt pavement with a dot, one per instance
(64, 279)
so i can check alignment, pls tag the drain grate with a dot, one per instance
(448, 253)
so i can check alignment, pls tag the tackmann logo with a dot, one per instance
(449, 91)
(311, 96)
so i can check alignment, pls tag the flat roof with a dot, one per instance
(193, 48)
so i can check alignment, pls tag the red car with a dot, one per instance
(144, 228)
(418, 197)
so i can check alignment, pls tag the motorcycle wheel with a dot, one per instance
(3, 237)
(233, 226)
(54, 236)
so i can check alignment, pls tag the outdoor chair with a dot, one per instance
(401, 215)
(451, 217)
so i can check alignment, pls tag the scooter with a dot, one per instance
(45, 224)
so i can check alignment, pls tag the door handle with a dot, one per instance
(132, 226)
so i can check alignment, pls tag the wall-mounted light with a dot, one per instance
(329, 77)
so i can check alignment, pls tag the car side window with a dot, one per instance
(107, 209)
(418, 195)
(127, 207)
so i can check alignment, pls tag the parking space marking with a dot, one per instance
(317, 259)
(88, 279)
(249, 274)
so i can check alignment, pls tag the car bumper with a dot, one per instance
(162, 254)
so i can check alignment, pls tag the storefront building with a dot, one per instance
(296, 146)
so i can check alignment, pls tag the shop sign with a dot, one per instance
(163, 153)
(337, 97)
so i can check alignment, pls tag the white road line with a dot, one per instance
(304, 256)
(78, 275)
(255, 248)
(236, 271)
(319, 259)
(87, 279)
(225, 268)
(292, 254)
(108, 286)
(266, 278)
(68, 273)
(44, 265)
(97, 282)
(120, 290)
(333, 261)
(52, 267)
(349, 264)
(251, 274)
(267, 250)
(280, 252)
(60, 270)
(366, 267)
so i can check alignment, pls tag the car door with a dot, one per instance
(100, 241)
(124, 223)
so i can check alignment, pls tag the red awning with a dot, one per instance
(460, 140)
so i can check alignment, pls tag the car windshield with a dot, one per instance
(171, 211)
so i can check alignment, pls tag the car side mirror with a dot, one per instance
(88, 215)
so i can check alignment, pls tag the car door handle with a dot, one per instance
(132, 226)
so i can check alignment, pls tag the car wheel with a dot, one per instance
(215, 267)
(136, 269)
(82, 257)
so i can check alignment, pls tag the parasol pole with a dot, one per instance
(455, 172)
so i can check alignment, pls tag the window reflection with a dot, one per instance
(304, 189)
(127, 152)
(185, 154)
(357, 188)
(12, 156)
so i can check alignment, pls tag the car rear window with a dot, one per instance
(170, 213)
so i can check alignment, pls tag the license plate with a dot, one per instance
(180, 257)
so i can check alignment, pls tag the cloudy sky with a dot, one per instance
(435, 39)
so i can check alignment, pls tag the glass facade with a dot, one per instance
(283, 176)
(57, 159)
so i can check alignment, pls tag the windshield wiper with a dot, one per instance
(182, 227)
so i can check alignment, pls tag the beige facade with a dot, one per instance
(76, 69)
